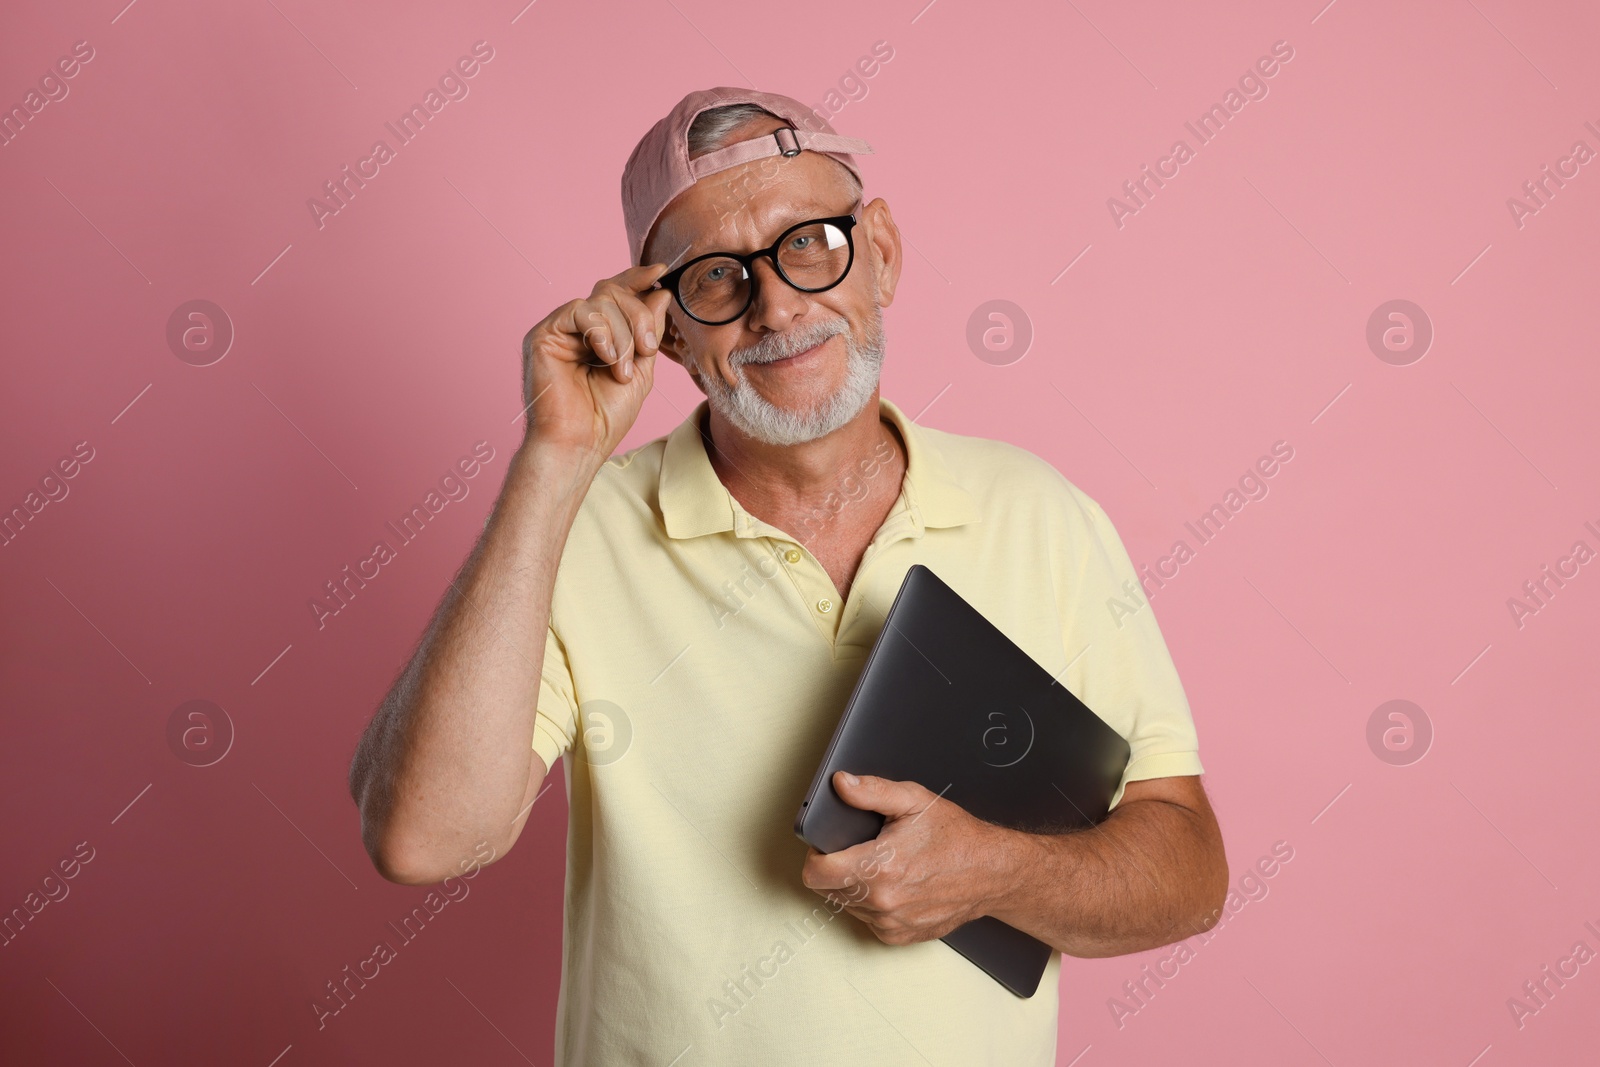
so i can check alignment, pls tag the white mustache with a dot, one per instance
(788, 345)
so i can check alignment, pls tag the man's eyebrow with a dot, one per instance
(791, 217)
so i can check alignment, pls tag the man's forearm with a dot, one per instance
(1152, 873)
(446, 760)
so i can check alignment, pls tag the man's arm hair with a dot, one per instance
(1153, 872)
(447, 760)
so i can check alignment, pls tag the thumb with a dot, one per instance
(882, 795)
(658, 300)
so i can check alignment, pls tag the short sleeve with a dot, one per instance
(1123, 670)
(555, 715)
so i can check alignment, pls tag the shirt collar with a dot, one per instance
(694, 501)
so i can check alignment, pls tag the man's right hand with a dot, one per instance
(588, 365)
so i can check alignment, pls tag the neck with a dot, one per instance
(776, 481)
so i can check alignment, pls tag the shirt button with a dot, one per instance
(793, 555)
(824, 605)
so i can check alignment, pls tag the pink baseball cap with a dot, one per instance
(660, 168)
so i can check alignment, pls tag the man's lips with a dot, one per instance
(798, 357)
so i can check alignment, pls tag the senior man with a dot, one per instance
(682, 625)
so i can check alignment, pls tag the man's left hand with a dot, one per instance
(932, 868)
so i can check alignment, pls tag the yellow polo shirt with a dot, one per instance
(697, 663)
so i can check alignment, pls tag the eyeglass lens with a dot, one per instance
(813, 256)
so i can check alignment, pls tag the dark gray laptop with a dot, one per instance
(947, 700)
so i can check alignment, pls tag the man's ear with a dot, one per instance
(676, 348)
(673, 345)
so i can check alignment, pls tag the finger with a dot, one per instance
(871, 793)
(641, 278)
(836, 870)
(590, 327)
(642, 321)
(630, 308)
(604, 332)
(871, 918)
(619, 336)
(851, 896)
(635, 281)
(856, 894)
(657, 301)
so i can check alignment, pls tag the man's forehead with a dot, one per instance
(761, 218)
(727, 220)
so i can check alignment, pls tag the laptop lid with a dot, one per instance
(948, 701)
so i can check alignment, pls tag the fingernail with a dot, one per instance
(627, 370)
(851, 779)
(649, 338)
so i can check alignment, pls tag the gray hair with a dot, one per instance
(713, 127)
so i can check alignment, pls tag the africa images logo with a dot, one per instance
(1007, 737)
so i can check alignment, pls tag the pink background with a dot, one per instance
(370, 354)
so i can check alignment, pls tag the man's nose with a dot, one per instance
(775, 302)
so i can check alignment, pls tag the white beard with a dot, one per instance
(757, 417)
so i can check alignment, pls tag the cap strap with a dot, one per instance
(786, 140)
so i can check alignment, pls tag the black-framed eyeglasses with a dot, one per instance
(718, 287)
